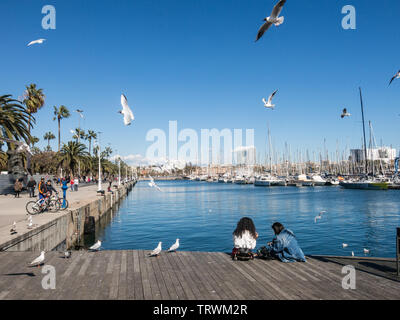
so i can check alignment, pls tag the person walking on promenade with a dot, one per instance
(71, 182)
(42, 189)
(76, 183)
(31, 187)
(18, 187)
(64, 189)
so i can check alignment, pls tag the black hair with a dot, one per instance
(245, 224)
(277, 227)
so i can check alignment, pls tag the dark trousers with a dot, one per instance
(17, 194)
(31, 192)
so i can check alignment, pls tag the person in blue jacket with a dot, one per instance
(64, 189)
(284, 246)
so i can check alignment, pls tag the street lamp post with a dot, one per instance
(99, 153)
(80, 112)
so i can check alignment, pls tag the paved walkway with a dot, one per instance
(13, 209)
(182, 275)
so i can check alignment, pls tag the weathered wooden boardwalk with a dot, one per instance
(189, 276)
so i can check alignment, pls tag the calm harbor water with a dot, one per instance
(203, 216)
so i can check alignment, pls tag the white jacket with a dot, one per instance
(246, 241)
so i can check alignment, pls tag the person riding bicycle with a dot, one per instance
(42, 188)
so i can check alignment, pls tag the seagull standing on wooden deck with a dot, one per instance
(273, 19)
(396, 76)
(268, 104)
(39, 260)
(174, 247)
(126, 111)
(96, 246)
(14, 228)
(345, 113)
(39, 41)
(156, 251)
(67, 254)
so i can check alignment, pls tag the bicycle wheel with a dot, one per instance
(53, 206)
(32, 207)
(60, 201)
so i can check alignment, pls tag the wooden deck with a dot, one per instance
(190, 276)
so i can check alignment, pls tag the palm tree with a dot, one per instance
(79, 134)
(91, 135)
(34, 140)
(71, 153)
(60, 113)
(14, 119)
(33, 100)
(49, 136)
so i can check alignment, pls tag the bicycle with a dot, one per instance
(60, 202)
(39, 206)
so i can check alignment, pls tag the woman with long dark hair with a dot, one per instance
(244, 239)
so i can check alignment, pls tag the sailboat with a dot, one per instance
(367, 183)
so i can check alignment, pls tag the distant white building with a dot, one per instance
(385, 154)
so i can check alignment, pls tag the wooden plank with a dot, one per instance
(130, 282)
(113, 293)
(155, 290)
(167, 274)
(139, 291)
(201, 271)
(3, 294)
(123, 276)
(147, 292)
(160, 278)
(179, 276)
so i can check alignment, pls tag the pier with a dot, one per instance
(54, 229)
(184, 275)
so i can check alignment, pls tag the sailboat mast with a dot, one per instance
(365, 140)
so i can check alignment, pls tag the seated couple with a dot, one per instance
(283, 247)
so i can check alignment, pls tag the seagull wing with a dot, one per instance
(394, 77)
(262, 30)
(38, 260)
(127, 112)
(263, 100)
(271, 96)
(277, 9)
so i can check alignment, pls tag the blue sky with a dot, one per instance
(195, 61)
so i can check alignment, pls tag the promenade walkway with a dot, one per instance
(189, 276)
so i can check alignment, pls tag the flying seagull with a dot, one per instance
(366, 251)
(396, 76)
(156, 251)
(345, 245)
(273, 19)
(96, 246)
(345, 113)
(39, 260)
(126, 111)
(319, 216)
(174, 247)
(152, 184)
(268, 104)
(39, 41)
(14, 228)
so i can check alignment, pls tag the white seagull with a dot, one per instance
(126, 111)
(352, 253)
(174, 247)
(268, 104)
(319, 216)
(273, 19)
(96, 246)
(30, 224)
(39, 41)
(156, 251)
(67, 254)
(345, 245)
(396, 76)
(345, 113)
(152, 184)
(39, 260)
(366, 251)
(14, 228)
